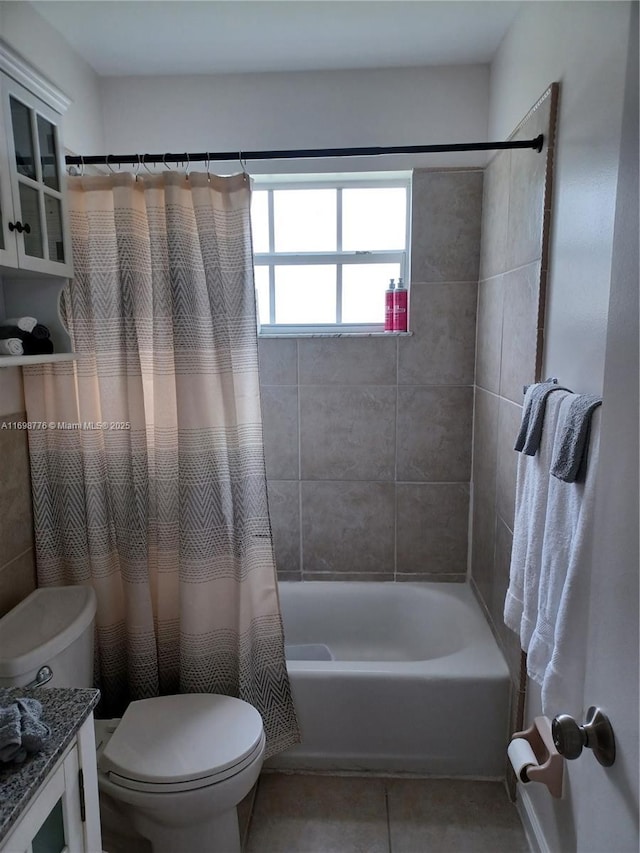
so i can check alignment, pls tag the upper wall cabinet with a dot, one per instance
(35, 246)
(35, 235)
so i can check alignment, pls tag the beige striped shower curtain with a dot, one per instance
(155, 492)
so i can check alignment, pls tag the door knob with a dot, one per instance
(596, 734)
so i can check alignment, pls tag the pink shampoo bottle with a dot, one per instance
(388, 306)
(400, 307)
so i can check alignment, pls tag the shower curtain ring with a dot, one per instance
(207, 164)
(164, 162)
(106, 160)
(82, 166)
(243, 165)
(144, 163)
(138, 164)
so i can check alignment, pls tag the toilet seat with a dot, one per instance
(169, 744)
(188, 785)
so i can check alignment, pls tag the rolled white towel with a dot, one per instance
(27, 324)
(11, 346)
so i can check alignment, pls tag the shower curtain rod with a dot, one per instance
(296, 154)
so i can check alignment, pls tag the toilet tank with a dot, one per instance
(51, 627)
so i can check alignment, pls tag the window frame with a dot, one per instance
(339, 258)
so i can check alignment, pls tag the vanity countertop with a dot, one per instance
(63, 710)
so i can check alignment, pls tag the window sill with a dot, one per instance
(268, 335)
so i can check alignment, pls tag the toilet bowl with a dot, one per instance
(177, 766)
(173, 768)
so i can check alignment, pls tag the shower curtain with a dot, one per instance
(148, 481)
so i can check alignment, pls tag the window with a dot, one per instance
(325, 247)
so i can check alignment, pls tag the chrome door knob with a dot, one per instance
(569, 738)
(596, 734)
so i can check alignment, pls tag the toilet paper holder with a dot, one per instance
(550, 768)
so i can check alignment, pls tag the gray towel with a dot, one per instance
(21, 730)
(40, 332)
(569, 462)
(10, 735)
(34, 732)
(528, 440)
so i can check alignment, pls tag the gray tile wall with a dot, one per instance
(17, 562)
(510, 319)
(368, 439)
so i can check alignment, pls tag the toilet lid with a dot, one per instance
(174, 739)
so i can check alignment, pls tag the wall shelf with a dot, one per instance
(23, 360)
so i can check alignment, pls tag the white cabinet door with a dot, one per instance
(64, 816)
(39, 225)
(87, 758)
(52, 823)
(8, 242)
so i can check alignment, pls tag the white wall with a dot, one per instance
(11, 393)
(230, 112)
(592, 346)
(583, 45)
(45, 49)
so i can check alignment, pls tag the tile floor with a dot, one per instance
(329, 814)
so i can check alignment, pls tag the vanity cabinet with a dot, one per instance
(35, 243)
(63, 816)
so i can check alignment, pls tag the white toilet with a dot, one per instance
(175, 767)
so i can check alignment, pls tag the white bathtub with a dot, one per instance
(417, 683)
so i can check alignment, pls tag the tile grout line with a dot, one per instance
(17, 557)
(300, 545)
(386, 805)
(395, 472)
(472, 494)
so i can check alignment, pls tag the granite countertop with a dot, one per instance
(63, 710)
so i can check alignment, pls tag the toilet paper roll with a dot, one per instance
(521, 756)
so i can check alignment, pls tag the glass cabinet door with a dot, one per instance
(51, 837)
(37, 172)
(8, 245)
(53, 821)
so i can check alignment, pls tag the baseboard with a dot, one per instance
(532, 828)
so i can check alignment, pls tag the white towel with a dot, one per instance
(11, 346)
(557, 653)
(521, 602)
(27, 324)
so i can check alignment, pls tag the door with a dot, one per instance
(608, 797)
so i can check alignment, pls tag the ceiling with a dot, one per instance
(130, 37)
